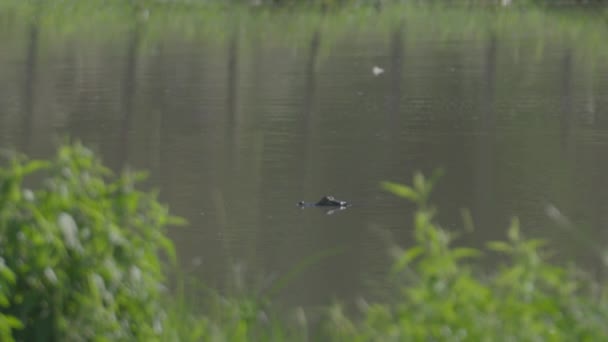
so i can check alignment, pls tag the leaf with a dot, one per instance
(438, 173)
(401, 191)
(177, 221)
(140, 176)
(535, 243)
(6, 273)
(14, 322)
(406, 258)
(511, 277)
(4, 302)
(464, 252)
(467, 219)
(500, 246)
(513, 232)
(169, 248)
(35, 165)
(420, 183)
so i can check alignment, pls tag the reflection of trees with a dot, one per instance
(159, 139)
(601, 106)
(29, 87)
(310, 72)
(155, 134)
(289, 142)
(396, 77)
(232, 125)
(567, 117)
(598, 100)
(227, 191)
(308, 139)
(128, 92)
(483, 177)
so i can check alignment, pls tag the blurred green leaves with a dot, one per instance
(79, 260)
(443, 296)
(80, 251)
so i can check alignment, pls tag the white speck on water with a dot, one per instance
(197, 261)
(376, 70)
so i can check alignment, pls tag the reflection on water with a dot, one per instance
(235, 133)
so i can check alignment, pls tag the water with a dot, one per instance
(236, 132)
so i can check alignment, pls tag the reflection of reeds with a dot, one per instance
(578, 235)
(128, 92)
(302, 266)
(222, 223)
(210, 21)
(29, 98)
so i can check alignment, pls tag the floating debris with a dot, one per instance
(376, 70)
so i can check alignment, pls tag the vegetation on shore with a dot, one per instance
(442, 294)
(217, 21)
(83, 255)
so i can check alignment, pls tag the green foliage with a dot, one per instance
(80, 252)
(293, 22)
(79, 260)
(197, 313)
(441, 297)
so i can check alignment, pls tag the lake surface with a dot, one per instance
(235, 131)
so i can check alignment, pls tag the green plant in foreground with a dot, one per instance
(79, 260)
(79, 255)
(441, 297)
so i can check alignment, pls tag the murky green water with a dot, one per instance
(237, 128)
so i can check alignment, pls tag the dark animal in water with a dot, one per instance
(325, 201)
